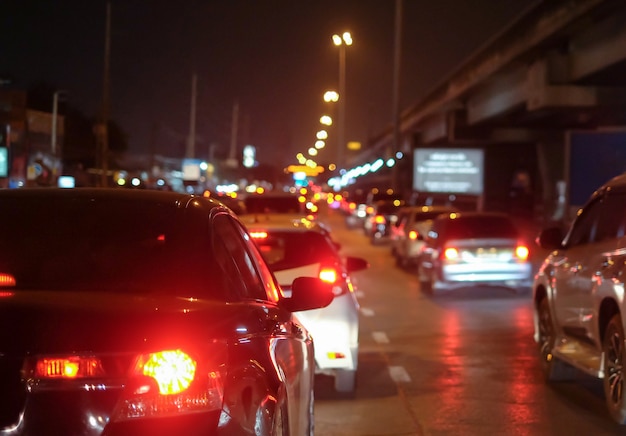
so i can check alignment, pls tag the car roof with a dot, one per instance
(429, 209)
(175, 199)
(283, 222)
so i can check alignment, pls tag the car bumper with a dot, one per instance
(335, 332)
(513, 275)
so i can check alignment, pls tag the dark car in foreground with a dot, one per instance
(469, 249)
(145, 312)
(578, 296)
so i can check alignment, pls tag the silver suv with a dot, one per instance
(579, 296)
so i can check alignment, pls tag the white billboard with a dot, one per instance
(449, 170)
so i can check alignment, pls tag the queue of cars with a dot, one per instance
(147, 312)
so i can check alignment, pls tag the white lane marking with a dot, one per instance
(380, 337)
(367, 312)
(399, 374)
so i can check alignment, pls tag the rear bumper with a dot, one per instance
(512, 275)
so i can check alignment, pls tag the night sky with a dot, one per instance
(274, 57)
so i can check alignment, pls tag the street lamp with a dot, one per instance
(342, 41)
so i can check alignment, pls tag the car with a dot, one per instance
(301, 247)
(409, 230)
(146, 312)
(277, 203)
(467, 249)
(355, 208)
(578, 296)
(382, 216)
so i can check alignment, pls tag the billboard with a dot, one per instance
(448, 170)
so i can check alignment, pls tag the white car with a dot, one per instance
(301, 247)
(410, 229)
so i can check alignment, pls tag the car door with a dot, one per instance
(603, 261)
(572, 269)
(279, 332)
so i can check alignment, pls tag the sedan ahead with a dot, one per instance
(466, 249)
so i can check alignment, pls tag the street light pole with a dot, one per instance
(342, 41)
(53, 137)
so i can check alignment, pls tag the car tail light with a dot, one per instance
(328, 275)
(168, 383)
(451, 253)
(352, 206)
(157, 384)
(258, 235)
(67, 367)
(172, 370)
(522, 252)
(413, 235)
(379, 219)
(369, 210)
(7, 280)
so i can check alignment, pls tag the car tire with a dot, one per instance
(614, 357)
(554, 369)
(280, 424)
(426, 284)
(345, 380)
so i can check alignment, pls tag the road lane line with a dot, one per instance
(367, 312)
(399, 374)
(380, 337)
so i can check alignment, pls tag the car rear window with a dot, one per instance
(123, 246)
(480, 227)
(284, 250)
(273, 204)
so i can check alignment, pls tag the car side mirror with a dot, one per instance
(354, 264)
(308, 293)
(550, 238)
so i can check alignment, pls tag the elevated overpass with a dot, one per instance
(557, 69)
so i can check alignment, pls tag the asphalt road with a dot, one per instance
(463, 364)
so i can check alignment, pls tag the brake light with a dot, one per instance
(171, 383)
(379, 219)
(413, 235)
(7, 280)
(328, 275)
(173, 370)
(451, 253)
(369, 210)
(68, 367)
(258, 235)
(352, 206)
(522, 252)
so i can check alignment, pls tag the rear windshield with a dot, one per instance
(98, 245)
(285, 250)
(271, 204)
(480, 227)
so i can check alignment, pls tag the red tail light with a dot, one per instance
(379, 219)
(70, 367)
(328, 275)
(258, 235)
(522, 252)
(451, 253)
(158, 384)
(173, 370)
(7, 280)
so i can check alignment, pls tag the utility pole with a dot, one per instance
(191, 139)
(103, 130)
(395, 145)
